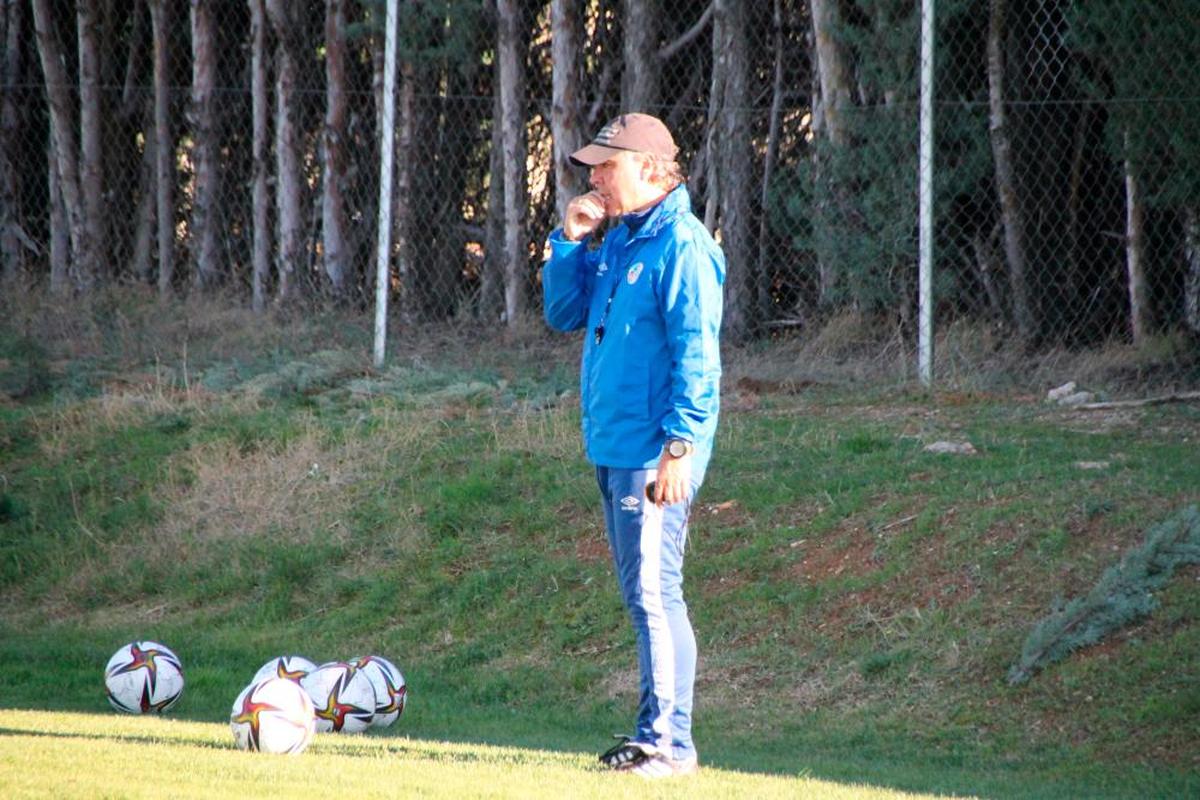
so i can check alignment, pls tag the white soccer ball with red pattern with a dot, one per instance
(143, 678)
(390, 690)
(342, 696)
(291, 667)
(273, 716)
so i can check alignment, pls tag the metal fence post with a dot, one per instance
(925, 202)
(384, 240)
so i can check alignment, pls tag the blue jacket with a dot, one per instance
(656, 373)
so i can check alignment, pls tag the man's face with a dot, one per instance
(621, 181)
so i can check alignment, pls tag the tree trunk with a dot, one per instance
(10, 77)
(1012, 214)
(333, 204)
(511, 69)
(261, 131)
(491, 279)
(164, 147)
(988, 265)
(1191, 278)
(566, 113)
(833, 70)
(832, 79)
(135, 63)
(64, 145)
(289, 222)
(441, 263)
(736, 169)
(205, 135)
(712, 138)
(378, 26)
(60, 237)
(143, 235)
(639, 81)
(1135, 252)
(1074, 203)
(402, 188)
(91, 166)
(763, 275)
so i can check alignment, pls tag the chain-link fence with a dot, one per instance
(1069, 167)
(235, 144)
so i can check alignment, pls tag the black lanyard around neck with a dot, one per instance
(598, 333)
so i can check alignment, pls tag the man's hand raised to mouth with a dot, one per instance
(584, 215)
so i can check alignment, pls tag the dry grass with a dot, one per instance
(228, 493)
(969, 356)
(126, 400)
(216, 493)
(1163, 363)
(553, 432)
(296, 491)
(846, 348)
(131, 329)
(131, 325)
(213, 494)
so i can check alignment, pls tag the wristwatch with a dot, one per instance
(678, 448)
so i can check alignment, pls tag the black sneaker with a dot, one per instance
(626, 754)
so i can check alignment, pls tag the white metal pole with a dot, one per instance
(386, 153)
(925, 203)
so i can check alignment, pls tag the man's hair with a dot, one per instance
(668, 173)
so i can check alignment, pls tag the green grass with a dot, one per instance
(79, 755)
(857, 600)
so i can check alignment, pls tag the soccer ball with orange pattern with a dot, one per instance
(272, 716)
(291, 667)
(391, 692)
(143, 678)
(342, 696)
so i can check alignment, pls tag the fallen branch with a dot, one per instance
(898, 523)
(1125, 594)
(1179, 397)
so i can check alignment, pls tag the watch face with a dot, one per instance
(677, 448)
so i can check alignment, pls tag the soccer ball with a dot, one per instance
(342, 696)
(143, 677)
(390, 689)
(272, 716)
(291, 667)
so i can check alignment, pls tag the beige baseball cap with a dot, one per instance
(639, 133)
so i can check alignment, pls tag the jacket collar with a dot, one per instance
(675, 204)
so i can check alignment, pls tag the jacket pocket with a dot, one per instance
(634, 388)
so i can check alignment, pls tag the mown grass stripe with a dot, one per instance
(79, 755)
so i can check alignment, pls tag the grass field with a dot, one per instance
(79, 755)
(858, 601)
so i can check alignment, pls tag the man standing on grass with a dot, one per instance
(649, 298)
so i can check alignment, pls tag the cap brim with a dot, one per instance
(593, 154)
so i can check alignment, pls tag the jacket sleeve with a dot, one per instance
(567, 280)
(690, 297)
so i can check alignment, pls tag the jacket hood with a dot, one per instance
(676, 204)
